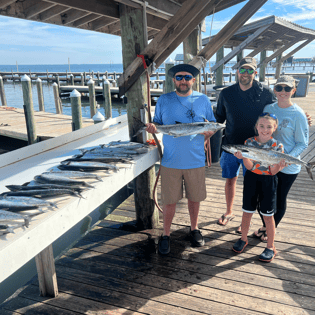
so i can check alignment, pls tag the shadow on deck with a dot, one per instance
(113, 270)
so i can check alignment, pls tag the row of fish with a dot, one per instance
(68, 178)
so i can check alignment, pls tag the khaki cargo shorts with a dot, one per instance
(172, 181)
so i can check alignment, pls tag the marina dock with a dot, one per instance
(115, 269)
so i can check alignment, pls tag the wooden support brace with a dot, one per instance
(47, 278)
(228, 30)
(296, 49)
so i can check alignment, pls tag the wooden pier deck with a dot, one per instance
(48, 125)
(116, 270)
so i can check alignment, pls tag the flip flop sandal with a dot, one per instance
(264, 237)
(226, 217)
(259, 234)
(239, 229)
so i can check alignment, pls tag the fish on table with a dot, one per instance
(22, 201)
(59, 180)
(48, 186)
(73, 174)
(267, 157)
(7, 217)
(87, 166)
(53, 192)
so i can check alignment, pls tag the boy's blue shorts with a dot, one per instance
(231, 165)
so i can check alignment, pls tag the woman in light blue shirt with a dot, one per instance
(293, 133)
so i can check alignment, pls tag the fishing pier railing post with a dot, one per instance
(58, 82)
(28, 109)
(107, 98)
(92, 99)
(2, 93)
(82, 79)
(71, 79)
(40, 95)
(75, 97)
(57, 99)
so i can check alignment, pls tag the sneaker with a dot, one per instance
(268, 255)
(164, 245)
(196, 238)
(239, 246)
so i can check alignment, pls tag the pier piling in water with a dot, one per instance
(75, 97)
(92, 99)
(107, 98)
(2, 93)
(29, 109)
(40, 95)
(57, 99)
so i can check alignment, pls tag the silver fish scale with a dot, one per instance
(27, 201)
(8, 217)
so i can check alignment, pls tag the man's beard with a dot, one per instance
(245, 81)
(180, 91)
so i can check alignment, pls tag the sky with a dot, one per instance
(28, 43)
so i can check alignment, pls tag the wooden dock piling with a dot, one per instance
(75, 97)
(57, 99)
(40, 95)
(2, 93)
(107, 98)
(28, 109)
(169, 84)
(92, 99)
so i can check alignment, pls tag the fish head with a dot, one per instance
(229, 148)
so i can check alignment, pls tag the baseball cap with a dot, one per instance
(248, 61)
(287, 80)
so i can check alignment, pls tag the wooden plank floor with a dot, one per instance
(116, 270)
(48, 125)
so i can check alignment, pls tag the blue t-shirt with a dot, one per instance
(292, 132)
(183, 152)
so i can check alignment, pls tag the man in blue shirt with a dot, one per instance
(183, 159)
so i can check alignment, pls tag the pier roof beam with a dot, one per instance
(72, 16)
(296, 49)
(175, 29)
(87, 19)
(239, 48)
(101, 22)
(5, 3)
(111, 28)
(52, 12)
(227, 31)
(37, 9)
(280, 51)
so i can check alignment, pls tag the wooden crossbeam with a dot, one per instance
(227, 31)
(37, 9)
(242, 46)
(73, 15)
(174, 28)
(297, 49)
(5, 3)
(52, 12)
(280, 51)
(101, 22)
(85, 20)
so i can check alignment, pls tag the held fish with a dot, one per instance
(180, 130)
(267, 157)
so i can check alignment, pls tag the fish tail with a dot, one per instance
(309, 168)
(27, 221)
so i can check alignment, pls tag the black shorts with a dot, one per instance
(260, 190)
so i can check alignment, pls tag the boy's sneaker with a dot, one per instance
(196, 238)
(164, 245)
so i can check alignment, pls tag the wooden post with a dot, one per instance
(191, 49)
(58, 82)
(40, 95)
(84, 76)
(56, 97)
(92, 99)
(262, 68)
(278, 67)
(47, 278)
(82, 79)
(133, 42)
(71, 79)
(169, 84)
(107, 98)
(106, 75)
(98, 78)
(29, 110)
(2, 93)
(75, 97)
(219, 72)
(98, 117)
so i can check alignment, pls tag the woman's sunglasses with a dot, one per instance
(243, 70)
(180, 77)
(268, 114)
(279, 88)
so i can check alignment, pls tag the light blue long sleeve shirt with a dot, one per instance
(292, 132)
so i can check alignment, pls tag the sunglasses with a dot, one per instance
(268, 114)
(180, 77)
(279, 88)
(243, 70)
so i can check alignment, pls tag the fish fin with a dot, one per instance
(178, 122)
(309, 168)
(26, 184)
